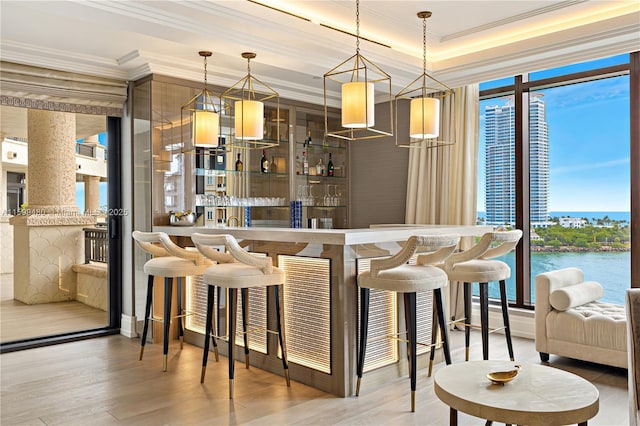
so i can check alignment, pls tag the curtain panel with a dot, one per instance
(442, 183)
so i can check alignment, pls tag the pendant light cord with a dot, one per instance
(424, 45)
(250, 83)
(205, 73)
(358, 26)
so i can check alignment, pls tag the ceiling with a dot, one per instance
(467, 41)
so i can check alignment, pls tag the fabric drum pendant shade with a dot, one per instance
(358, 105)
(249, 119)
(424, 122)
(205, 128)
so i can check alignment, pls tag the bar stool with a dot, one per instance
(393, 274)
(238, 269)
(474, 266)
(169, 261)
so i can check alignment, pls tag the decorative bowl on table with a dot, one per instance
(186, 218)
(503, 376)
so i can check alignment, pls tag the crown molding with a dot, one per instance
(550, 50)
(511, 19)
(62, 60)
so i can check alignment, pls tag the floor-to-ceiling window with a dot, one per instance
(576, 128)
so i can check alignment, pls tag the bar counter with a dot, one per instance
(321, 302)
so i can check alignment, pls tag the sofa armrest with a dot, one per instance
(545, 284)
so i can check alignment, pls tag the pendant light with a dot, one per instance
(244, 101)
(202, 115)
(357, 79)
(425, 94)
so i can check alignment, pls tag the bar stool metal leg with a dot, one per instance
(232, 304)
(214, 322)
(484, 318)
(407, 321)
(207, 332)
(147, 313)
(467, 318)
(219, 295)
(439, 322)
(434, 335)
(410, 307)
(168, 290)
(505, 317)
(364, 325)
(180, 318)
(437, 293)
(281, 337)
(245, 318)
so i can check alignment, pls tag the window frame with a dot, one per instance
(520, 90)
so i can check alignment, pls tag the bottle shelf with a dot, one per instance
(241, 206)
(320, 147)
(324, 178)
(208, 172)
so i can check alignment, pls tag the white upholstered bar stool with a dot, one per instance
(476, 266)
(394, 274)
(169, 261)
(238, 269)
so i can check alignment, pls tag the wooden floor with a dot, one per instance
(20, 321)
(101, 382)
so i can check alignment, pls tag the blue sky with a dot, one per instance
(588, 143)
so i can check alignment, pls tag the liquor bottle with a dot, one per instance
(305, 164)
(298, 166)
(264, 163)
(320, 167)
(239, 164)
(308, 140)
(273, 168)
(330, 167)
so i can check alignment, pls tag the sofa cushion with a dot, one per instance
(575, 295)
(594, 324)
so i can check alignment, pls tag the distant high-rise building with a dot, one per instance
(500, 186)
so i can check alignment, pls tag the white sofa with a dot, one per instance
(571, 322)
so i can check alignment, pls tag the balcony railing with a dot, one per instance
(96, 245)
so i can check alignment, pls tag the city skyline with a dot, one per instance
(500, 166)
(589, 162)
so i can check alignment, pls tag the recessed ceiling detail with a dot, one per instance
(511, 19)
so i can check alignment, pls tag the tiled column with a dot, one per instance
(48, 238)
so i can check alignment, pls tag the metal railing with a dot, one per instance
(96, 245)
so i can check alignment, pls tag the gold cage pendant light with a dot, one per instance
(426, 95)
(202, 115)
(244, 101)
(356, 80)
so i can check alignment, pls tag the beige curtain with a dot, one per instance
(442, 182)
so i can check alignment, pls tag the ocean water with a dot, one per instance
(611, 269)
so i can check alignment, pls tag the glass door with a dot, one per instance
(57, 258)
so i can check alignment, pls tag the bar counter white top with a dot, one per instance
(341, 237)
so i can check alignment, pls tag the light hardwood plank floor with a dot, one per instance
(101, 382)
